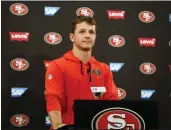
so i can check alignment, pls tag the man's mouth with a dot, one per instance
(87, 41)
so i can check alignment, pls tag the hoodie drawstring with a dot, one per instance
(88, 70)
(81, 65)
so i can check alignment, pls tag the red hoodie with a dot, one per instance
(67, 78)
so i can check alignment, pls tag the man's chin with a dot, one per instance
(86, 49)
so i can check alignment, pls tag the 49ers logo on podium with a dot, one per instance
(117, 118)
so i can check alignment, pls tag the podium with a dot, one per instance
(124, 115)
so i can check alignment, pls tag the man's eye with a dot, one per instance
(82, 31)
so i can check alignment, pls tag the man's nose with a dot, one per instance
(87, 34)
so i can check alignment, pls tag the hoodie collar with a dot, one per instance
(70, 56)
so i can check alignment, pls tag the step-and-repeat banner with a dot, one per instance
(134, 39)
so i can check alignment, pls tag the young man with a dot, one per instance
(73, 75)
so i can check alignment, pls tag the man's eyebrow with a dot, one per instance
(82, 29)
(87, 29)
(91, 30)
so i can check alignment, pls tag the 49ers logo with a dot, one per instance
(147, 68)
(117, 118)
(19, 120)
(84, 11)
(19, 64)
(121, 93)
(146, 16)
(53, 38)
(19, 9)
(116, 41)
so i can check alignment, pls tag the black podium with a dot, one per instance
(124, 115)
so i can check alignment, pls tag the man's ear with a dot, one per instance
(71, 36)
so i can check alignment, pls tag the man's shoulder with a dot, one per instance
(58, 62)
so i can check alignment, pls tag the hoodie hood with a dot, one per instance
(70, 56)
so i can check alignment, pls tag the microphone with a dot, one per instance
(97, 94)
(98, 91)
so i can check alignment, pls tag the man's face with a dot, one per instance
(84, 36)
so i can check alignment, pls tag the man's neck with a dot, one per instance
(84, 56)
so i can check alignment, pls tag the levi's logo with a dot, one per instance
(147, 42)
(19, 36)
(116, 14)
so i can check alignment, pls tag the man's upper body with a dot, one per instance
(72, 76)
